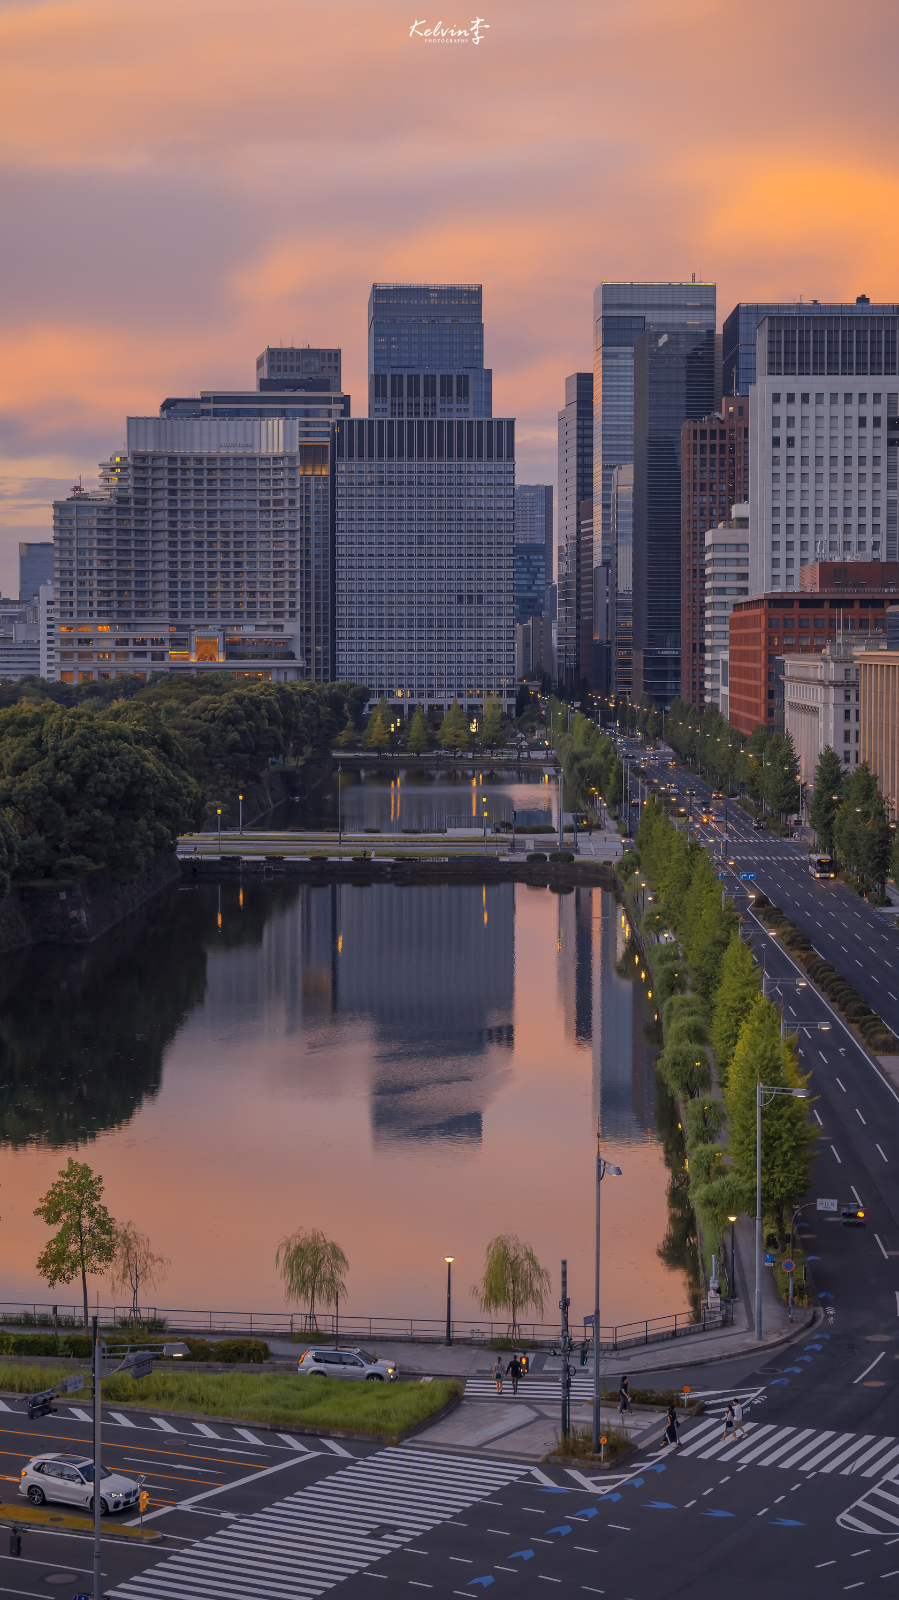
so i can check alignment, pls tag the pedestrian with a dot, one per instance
(738, 1418)
(728, 1422)
(671, 1429)
(624, 1397)
(499, 1372)
(514, 1373)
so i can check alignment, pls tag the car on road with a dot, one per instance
(69, 1480)
(353, 1364)
(758, 823)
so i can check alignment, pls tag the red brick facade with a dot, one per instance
(772, 625)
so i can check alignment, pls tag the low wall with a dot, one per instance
(75, 913)
(473, 868)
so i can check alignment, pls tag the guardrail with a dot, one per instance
(350, 1326)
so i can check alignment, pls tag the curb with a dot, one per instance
(767, 1343)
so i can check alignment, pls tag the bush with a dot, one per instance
(561, 855)
(536, 855)
(857, 1009)
(79, 1345)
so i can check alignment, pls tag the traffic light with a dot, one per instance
(584, 1350)
(525, 1365)
(144, 1501)
(853, 1217)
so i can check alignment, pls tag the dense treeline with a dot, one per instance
(720, 1035)
(765, 765)
(589, 760)
(107, 782)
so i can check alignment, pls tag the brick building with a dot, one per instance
(770, 626)
(714, 477)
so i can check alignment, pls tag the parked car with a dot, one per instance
(70, 1480)
(356, 1364)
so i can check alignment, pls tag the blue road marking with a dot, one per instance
(545, 1488)
(824, 1294)
(793, 1369)
(785, 1522)
(656, 1467)
(633, 1483)
(660, 1505)
(717, 1513)
(812, 1258)
(525, 1555)
(801, 1358)
(611, 1497)
(589, 1512)
(484, 1582)
(563, 1529)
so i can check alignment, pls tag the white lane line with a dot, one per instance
(295, 1444)
(208, 1433)
(834, 1149)
(83, 1416)
(877, 1147)
(875, 1450)
(783, 1448)
(842, 1086)
(824, 1058)
(820, 1123)
(897, 1302)
(812, 1462)
(329, 1444)
(165, 1426)
(869, 1369)
(251, 1438)
(236, 1483)
(807, 1448)
(860, 1117)
(122, 1420)
(882, 1251)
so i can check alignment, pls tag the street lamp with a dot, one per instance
(733, 1259)
(603, 1167)
(762, 1089)
(219, 815)
(339, 814)
(449, 1290)
(240, 802)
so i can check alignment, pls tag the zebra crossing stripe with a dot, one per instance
(872, 1471)
(250, 1437)
(875, 1450)
(858, 1443)
(80, 1413)
(326, 1532)
(782, 1449)
(207, 1432)
(122, 1420)
(165, 1426)
(877, 1511)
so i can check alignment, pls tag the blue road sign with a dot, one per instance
(788, 1265)
(720, 877)
(747, 877)
(769, 1259)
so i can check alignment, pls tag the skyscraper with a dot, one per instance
(674, 378)
(575, 486)
(299, 366)
(827, 386)
(621, 311)
(426, 351)
(621, 581)
(715, 477)
(740, 329)
(533, 548)
(35, 568)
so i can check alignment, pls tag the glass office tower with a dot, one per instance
(426, 351)
(740, 331)
(621, 312)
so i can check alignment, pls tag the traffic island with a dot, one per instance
(39, 1517)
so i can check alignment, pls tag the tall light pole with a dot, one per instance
(761, 1090)
(339, 813)
(240, 803)
(560, 808)
(219, 815)
(733, 1259)
(449, 1297)
(602, 1167)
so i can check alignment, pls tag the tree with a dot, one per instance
(754, 762)
(313, 1269)
(418, 739)
(377, 734)
(826, 797)
(87, 1237)
(492, 726)
(762, 1056)
(348, 738)
(780, 776)
(513, 1280)
(135, 1264)
(862, 833)
(737, 992)
(454, 728)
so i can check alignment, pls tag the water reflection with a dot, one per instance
(431, 1056)
(391, 797)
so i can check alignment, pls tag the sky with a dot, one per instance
(184, 183)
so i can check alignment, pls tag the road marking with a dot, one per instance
(824, 1058)
(296, 1445)
(882, 1251)
(167, 1426)
(204, 1428)
(820, 1123)
(877, 1147)
(237, 1483)
(338, 1449)
(860, 1117)
(842, 1086)
(83, 1416)
(122, 1420)
(250, 1437)
(871, 1368)
(834, 1149)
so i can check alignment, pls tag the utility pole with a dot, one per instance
(560, 808)
(564, 1303)
(95, 1329)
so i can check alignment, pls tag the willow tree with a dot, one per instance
(312, 1268)
(513, 1280)
(135, 1265)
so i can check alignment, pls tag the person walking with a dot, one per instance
(499, 1372)
(738, 1418)
(514, 1370)
(624, 1397)
(728, 1422)
(672, 1429)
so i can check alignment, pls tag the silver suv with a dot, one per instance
(70, 1480)
(346, 1364)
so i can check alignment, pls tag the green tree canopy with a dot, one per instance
(780, 775)
(492, 731)
(826, 797)
(418, 738)
(86, 1237)
(312, 1268)
(135, 1265)
(787, 1140)
(513, 1280)
(862, 834)
(377, 734)
(736, 995)
(454, 728)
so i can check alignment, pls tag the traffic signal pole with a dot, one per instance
(95, 1328)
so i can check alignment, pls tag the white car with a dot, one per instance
(70, 1480)
(356, 1364)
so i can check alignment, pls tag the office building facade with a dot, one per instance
(824, 421)
(47, 632)
(821, 706)
(621, 581)
(35, 568)
(426, 351)
(574, 600)
(740, 330)
(425, 604)
(768, 627)
(726, 580)
(714, 479)
(314, 370)
(535, 648)
(878, 682)
(621, 313)
(674, 377)
(534, 524)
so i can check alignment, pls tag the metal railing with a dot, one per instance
(350, 1326)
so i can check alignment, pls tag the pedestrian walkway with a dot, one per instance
(327, 1532)
(799, 1449)
(529, 1388)
(878, 1509)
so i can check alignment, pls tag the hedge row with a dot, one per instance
(838, 989)
(79, 1344)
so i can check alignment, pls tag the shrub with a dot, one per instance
(536, 855)
(857, 1009)
(561, 855)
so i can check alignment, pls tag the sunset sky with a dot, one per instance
(186, 182)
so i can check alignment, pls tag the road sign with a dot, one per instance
(788, 1265)
(720, 877)
(828, 1205)
(769, 1259)
(747, 877)
(73, 1384)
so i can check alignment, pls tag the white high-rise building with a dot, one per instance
(824, 420)
(47, 631)
(424, 596)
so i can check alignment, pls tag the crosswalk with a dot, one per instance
(802, 1449)
(878, 1509)
(530, 1388)
(326, 1532)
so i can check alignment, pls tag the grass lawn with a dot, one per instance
(277, 1398)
